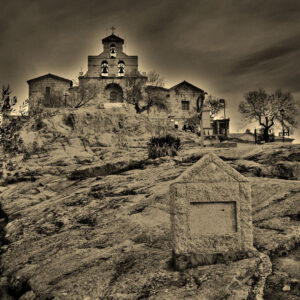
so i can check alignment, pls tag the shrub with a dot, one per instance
(69, 120)
(10, 140)
(32, 149)
(163, 146)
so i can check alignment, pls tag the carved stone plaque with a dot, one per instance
(216, 218)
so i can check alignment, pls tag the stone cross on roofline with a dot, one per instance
(113, 29)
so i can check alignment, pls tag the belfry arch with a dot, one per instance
(114, 93)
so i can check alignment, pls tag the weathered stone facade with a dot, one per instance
(182, 100)
(104, 71)
(108, 86)
(114, 60)
(211, 214)
(47, 84)
(110, 71)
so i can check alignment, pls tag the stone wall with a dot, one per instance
(94, 64)
(37, 89)
(173, 98)
(118, 46)
(95, 61)
(183, 93)
(103, 96)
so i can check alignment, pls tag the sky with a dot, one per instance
(226, 47)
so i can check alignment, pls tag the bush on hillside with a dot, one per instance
(166, 145)
(10, 140)
(69, 120)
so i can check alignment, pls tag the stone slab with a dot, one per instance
(216, 218)
(211, 213)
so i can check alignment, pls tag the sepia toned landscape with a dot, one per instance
(88, 218)
(173, 173)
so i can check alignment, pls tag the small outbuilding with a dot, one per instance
(42, 87)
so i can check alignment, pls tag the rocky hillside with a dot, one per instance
(87, 215)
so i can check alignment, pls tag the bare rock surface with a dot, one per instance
(106, 235)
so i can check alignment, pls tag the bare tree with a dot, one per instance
(156, 97)
(214, 104)
(268, 109)
(133, 92)
(155, 79)
(143, 97)
(83, 94)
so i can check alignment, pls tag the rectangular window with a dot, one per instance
(185, 105)
(48, 90)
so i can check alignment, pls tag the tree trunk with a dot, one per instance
(266, 134)
(202, 133)
(266, 131)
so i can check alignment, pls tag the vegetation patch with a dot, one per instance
(167, 145)
(69, 120)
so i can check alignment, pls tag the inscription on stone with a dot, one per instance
(216, 218)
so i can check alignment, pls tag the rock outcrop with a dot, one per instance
(88, 218)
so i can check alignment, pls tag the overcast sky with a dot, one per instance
(226, 47)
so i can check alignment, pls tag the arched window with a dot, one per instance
(104, 68)
(121, 67)
(113, 51)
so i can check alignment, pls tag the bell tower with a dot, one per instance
(112, 62)
(112, 45)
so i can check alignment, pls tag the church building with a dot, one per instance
(110, 72)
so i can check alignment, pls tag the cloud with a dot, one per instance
(256, 61)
